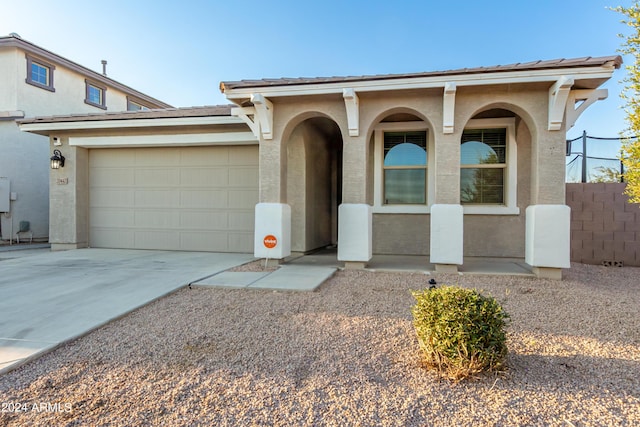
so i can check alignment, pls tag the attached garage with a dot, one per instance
(181, 179)
(175, 198)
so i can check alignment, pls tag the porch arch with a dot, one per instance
(312, 150)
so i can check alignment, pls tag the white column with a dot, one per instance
(446, 235)
(355, 232)
(272, 219)
(548, 236)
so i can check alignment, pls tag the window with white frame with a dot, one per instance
(402, 180)
(95, 95)
(482, 164)
(488, 166)
(40, 74)
(405, 168)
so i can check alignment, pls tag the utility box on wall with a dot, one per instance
(5, 193)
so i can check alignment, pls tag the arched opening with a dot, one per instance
(314, 183)
(495, 148)
(402, 182)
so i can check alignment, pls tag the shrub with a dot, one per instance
(460, 331)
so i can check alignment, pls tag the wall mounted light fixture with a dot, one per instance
(57, 161)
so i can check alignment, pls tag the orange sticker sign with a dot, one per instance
(270, 241)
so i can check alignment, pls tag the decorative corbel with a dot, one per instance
(583, 99)
(264, 113)
(248, 115)
(448, 107)
(558, 95)
(352, 103)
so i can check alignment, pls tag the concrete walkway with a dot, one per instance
(49, 298)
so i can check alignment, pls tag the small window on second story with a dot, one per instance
(135, 106)
(95, 95)
(40, 74)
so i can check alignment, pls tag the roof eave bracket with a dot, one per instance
(558, 95)
(352, 104)
(448, 107)
(264, 113)
(248, 114)
(587, 97)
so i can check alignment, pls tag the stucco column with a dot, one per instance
(548, 223)
(272, 232)
(447, 215)
(548, 167)
(69, 200)
(355, 167)
(272, 168)
(355, 215)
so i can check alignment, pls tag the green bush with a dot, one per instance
(460, 331)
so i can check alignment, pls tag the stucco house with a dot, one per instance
(452, 164)
(37, 82)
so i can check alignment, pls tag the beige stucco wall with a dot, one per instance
(401, 234)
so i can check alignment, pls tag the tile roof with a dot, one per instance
(587, 61)
(166, 113)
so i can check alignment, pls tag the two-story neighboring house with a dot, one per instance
(37, 82)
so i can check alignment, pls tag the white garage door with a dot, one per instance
(187, 198)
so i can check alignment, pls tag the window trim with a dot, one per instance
(378, 161)
(50, 68)
(510, 206)
(131, 101)
(88, 84)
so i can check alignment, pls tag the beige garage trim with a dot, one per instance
(187, 198)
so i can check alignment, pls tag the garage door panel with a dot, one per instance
(186, 198)
(204, 220)
(206, 156)
(157, 219)
(151, 198)
(156, 158)
(109, 158)
(156, 239)
(244, 156)
(243, 177)
(111, 177)
(241, 242)
(243, 199)
(241, 221)
(108, 217)
(112, 238)
(215, 241)
(163, 177)
(110, 198)
(204, 177)
(203, 199)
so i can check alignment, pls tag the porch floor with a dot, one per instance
(417, 263)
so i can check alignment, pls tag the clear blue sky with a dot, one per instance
(178, 51)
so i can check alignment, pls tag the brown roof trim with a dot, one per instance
(167, 113)
(588, 61)
(11, 41)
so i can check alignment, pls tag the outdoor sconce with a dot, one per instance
(57, 161)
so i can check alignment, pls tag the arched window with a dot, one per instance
(405, 168)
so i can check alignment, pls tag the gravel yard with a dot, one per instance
(343, 355)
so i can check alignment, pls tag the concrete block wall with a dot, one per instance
(605, 227)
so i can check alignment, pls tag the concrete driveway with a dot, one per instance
(52, 297)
